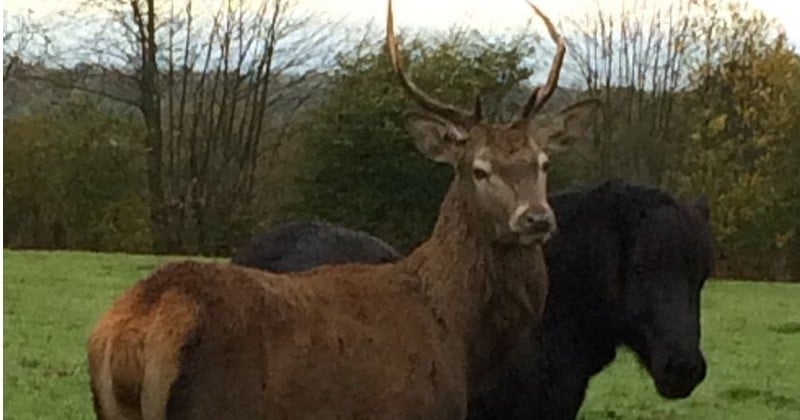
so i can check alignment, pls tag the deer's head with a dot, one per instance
(501, 167)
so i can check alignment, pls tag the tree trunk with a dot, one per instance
(151, 110)
(158, 220)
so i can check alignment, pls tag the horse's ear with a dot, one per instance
(701, 204)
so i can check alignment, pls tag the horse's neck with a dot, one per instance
(581, 337)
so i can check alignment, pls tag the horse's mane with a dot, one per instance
(608, 198)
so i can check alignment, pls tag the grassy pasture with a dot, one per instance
(751, 336)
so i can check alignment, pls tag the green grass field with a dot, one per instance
(751, 336)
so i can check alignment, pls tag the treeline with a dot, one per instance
(214, 132)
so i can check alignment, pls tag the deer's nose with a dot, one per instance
(536, 219)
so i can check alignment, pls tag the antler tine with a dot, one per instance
(541, 94)
(447, 111)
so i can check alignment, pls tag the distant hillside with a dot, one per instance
(31, 90)
(36, 90)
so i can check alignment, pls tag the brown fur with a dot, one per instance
(133, 347)
(406, 340)
(402, 340)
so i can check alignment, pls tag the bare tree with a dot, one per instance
(217, 136)
(215, 90)
(634, 58)
(24, 37)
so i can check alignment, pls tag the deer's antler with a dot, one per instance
(541, 94)
(447, 111)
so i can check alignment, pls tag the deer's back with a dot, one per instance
(340, 342)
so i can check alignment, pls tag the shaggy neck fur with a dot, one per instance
(485, 295)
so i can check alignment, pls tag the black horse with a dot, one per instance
(299, 246)
(626, 268)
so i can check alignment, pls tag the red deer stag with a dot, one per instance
(400, 340)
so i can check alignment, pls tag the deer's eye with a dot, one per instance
(479, 174)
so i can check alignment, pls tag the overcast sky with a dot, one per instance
(488, 16)
(485, 15)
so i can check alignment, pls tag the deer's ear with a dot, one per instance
(566, 128)
(437, 139)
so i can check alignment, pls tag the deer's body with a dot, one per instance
(218, 341)
(256, 348)
(404, 340)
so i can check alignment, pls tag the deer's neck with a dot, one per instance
(487, 295)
